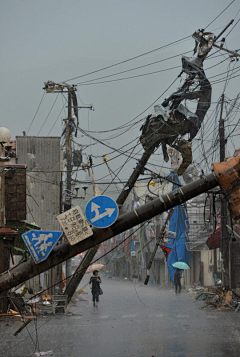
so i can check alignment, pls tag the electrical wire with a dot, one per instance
(36, 112)
(128, 60)
(219, 14)
(56, 119)
(133, 69)
(48, 114)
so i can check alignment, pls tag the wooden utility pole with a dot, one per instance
(124, 222)
(224, 210)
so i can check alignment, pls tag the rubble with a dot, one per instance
(216, 298)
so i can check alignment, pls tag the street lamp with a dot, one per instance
(5, 135)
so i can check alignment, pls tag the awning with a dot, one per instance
(7, 232)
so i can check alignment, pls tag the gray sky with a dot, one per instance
(57, 40)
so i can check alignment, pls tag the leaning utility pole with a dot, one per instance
(158, 240)
(89, 256)
(63, 252)
(224, 210)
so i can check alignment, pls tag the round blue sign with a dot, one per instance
(101, 211)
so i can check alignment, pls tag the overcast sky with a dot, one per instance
(61, 39)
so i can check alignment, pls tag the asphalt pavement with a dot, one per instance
(131, 320)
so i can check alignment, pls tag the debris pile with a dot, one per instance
(216, 298)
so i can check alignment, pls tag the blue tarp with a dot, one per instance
(179, 223)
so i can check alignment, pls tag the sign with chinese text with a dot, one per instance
(74, 225)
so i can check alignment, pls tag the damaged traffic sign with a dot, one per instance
(74, 225)
(101, 211)
(40, 243)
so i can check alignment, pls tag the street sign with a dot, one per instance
(74, 225)
(40, 243)
(101, 211)
(133, 248)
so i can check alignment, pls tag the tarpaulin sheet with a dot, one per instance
(179, 224)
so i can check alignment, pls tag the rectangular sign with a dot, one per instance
(74, 225)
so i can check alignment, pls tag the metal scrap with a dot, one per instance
(171, 120)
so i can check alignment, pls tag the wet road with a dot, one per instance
(130, 321)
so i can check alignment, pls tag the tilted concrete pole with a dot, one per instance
(65, 251)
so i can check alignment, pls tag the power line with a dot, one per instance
(125, 78)
(36, 112)
(133, 69)
(48, 114)
(56, 119)
(128, 60)
(219, 14)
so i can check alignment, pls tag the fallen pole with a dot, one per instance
(156, 245)
(90, 254)
(65, 251)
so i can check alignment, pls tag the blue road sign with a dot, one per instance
(40, 243)
(101, 211)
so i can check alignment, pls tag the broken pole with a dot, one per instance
(65, 251)
(161, 236)
(89, 256)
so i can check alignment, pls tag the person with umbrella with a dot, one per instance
(177, 276)
(177, 281)
(94, 284)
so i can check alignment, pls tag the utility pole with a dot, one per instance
(4, 251)
(224, 210)
(65, 251)
(68, 200)
(89, 256)
(159, 237)
(4, 259)
(52, 87)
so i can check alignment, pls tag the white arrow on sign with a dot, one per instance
(95, 208)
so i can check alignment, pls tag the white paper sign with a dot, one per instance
(75, 225)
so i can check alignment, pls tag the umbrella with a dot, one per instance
(93, 267)
(180, 265)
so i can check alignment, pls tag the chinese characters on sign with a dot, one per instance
(74, 225)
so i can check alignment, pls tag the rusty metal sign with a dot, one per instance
(75, 225)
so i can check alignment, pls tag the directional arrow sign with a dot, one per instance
(40, 243)
(101, 211)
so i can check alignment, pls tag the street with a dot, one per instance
(130, 321)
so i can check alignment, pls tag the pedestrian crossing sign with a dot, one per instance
(40, 243)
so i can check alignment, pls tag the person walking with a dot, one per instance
(177, 281)
(94, 284)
